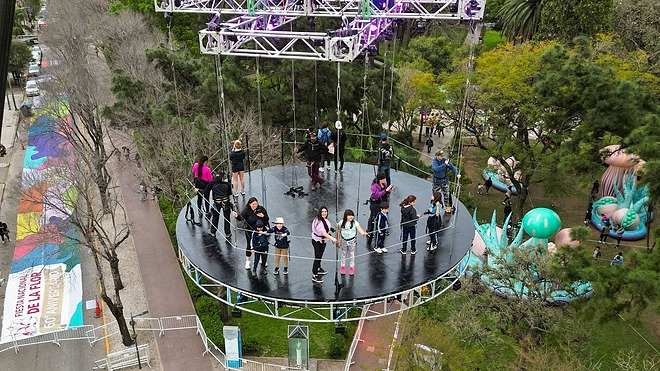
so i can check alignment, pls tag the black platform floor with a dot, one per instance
(376, 275)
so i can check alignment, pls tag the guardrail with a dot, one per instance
(125, 358)
(356, 339)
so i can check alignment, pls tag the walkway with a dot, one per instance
(374, 348)
(166, 290)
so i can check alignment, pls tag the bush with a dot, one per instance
(208, 311)
(337, 347)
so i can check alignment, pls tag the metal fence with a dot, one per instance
(125, 358)
(356, 339)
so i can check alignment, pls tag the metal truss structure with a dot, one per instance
(328, 311)
(258, 30)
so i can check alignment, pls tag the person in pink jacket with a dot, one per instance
(321, 229)
(202, 178)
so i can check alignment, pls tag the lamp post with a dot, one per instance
(132, 322)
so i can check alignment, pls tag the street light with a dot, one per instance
(132, 323)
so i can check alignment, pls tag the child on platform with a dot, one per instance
(382, 227)
(282, 242)
(347, 237)
(259, 243)
(434, 222)
(409, 219)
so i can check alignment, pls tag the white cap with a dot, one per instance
(279, 220)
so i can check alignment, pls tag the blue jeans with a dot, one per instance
(408, 232)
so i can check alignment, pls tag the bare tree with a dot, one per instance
(70, 193)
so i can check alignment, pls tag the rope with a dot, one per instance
(261, 140)
(221, 102)
(364, 113)
(293, 107)
(389, 108)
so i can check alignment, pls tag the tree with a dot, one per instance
(565, 20)
(520, 18)
(638, 24)
(419, 90)
(434, 52)
(19, 57)
(69, 190)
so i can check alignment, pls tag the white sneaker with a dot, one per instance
(322, 169)
(247, 264)
(378, 250)
(384, 249)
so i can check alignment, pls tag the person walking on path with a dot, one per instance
(202, 177)
(441, 166)
(409, 219)
(282, 243)
(596, 254)
(617, 259)
(237, 159)
(4, 232)
(259, 243)
(429, 144)
(339, 141)
(320, 235)
(251, 214)
(347, 241)
(221, 192)
(619, 235)
(605, 232)
(380, 192)
(324, 136)
(385, 156)
(313, 152)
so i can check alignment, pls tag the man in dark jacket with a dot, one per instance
(313, 152)
(441, 167)
(339, 140)
(221, 194)
(385, 155)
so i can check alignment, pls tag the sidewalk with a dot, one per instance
(376, 340)
(165, 288)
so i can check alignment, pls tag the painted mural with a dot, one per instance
(44, 288)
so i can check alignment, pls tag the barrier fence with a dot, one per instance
(125, 358)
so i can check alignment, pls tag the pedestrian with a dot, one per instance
(382, 228)
(434, 222)
(508, 194)
(619, 235)
(282, 243)
(605, 232)
(313, 151)
(339, 140)
(385, 155)
(221, 192)
(507, 208)
(441, 167)
(380, 193)
(324, 136)
(487, 184)
(587, 214)
(4, 232)
(617, 259)
(596, 253)
(251, 214)
(259, 243)
(320, 235)
(409, 219)
(202, 176)
(440, 129)
(237, 159)
(347, 237)
(594, 191)
(481, 189)
(429, 144)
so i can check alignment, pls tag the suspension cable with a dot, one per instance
(295, 138)
(389, 108)
(221, 102)
(364, 114)
(261, 138)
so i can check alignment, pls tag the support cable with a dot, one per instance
(261, 138)
(389, 108)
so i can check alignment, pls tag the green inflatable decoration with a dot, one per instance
(541, 222)
(629, 219)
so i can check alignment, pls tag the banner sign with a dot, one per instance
(44, 288)
(233, 346)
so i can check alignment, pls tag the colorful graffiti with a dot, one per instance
(44, 288)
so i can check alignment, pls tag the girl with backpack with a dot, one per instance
(347, 237)
(202, 177)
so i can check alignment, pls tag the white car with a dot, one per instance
(33, 70)
(36, 58)
(31, 88)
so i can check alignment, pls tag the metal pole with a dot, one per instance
(137, 349)
(282, 143)
(7, 8)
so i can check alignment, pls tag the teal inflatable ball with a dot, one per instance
(541, 222)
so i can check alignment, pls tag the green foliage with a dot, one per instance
(435, 52)
(565, 20)
(338, 346)
(19, 58)
(491, 39)
(520, 18)
(638, 24)
(208, 311)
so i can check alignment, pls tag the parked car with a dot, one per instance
(31, 88)
(33, 70)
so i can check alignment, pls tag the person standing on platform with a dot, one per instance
(380, 192)
(251, 214)
(441, 166)
(320, 235)
(313, 152)
(221, 191)
(347, 237)
(237, 158)
(282, 242)
(434, 222)
(324, 136)
(259, 243)
(385, 155)
(339, 140)
(429, 144)
(202, 177)
(409, 219)
(382, 227)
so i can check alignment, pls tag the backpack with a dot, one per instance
(324, 135)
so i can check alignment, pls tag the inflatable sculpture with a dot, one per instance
(491, 247)
(625, 211)
(621, 165)
(499, 176)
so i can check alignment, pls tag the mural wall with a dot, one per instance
(44, 288)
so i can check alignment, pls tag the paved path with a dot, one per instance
(166, 291)
(374, 350)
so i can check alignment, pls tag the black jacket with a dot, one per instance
(312, 150)
(341, 141)
(237, 159)
(385, 154)
(408, 216)
(250, 217)
(221, 190)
